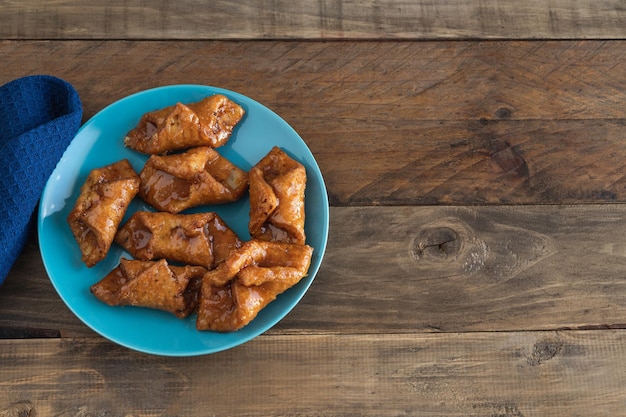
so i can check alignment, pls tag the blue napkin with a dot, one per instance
(39, 116)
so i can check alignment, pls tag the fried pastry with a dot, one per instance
(277, 185)
(152, 284)
(208, 122)
(199, 176)
(100, 208)
(252, 277)
(201, 239)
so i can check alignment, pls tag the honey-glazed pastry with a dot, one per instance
(277, 185)
(202, 239)
(252, 277)
(100, 208)
(199, 176)
(151, 284)
(208, 122)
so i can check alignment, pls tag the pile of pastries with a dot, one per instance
(186, 263)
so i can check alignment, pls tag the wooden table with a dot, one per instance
(474, 157)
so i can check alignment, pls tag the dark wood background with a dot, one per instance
(475, 163)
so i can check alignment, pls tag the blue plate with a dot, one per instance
(99, 142)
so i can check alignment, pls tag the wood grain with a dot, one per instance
(363, 86)
(462, 269)
(458, 123)
(477, 163)
(421, 269)
(326, 19)
(507, 374)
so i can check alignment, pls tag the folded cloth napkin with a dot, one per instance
(39, 116)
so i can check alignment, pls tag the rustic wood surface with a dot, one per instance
(469, 374)
(397, 107)
(304, 19)
(422, 269)
(474, 161)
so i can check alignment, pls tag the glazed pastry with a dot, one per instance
(197, 177)
(208, 122)
(201, 239)
(152, 284)
(252, 277)
(277, 185)
(100, 208)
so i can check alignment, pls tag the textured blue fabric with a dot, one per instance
(39, 116)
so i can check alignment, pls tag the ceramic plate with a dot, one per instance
(99, 142)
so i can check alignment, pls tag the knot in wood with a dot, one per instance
(436, 244)
(503, 113)
(544, 350)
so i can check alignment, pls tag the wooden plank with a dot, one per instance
(456, 123)
(460, 269)
(566, 373)
(476, 162)
(406, 269)
(364, 86)
(251, 19)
